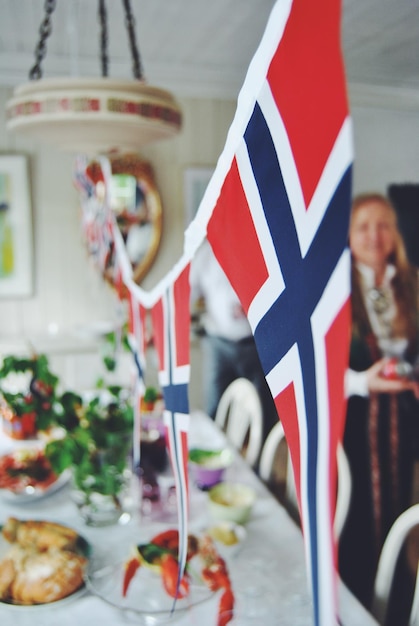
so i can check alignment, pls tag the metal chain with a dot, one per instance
(103, 37)
(130, 24)
(45, 30)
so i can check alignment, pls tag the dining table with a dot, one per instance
(267, 569)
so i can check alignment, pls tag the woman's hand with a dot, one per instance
(377, 383)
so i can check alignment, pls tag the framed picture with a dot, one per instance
(16, 238)
(196, 180)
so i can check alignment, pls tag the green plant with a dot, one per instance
(40, 396)
(97, 441)
(112, 344)
(151, 394)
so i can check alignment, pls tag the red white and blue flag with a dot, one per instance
(137, 342)
(171, 325)
(137, 331)
(276, 214)
(283, 212)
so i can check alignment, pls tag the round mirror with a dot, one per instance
(137, 206)
(136, 202)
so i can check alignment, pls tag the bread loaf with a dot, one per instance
(42, 535)
(42, 564)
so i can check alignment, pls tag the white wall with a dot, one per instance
(68, 292)
(386, 148)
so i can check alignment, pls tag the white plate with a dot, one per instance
(31, 494)
(83, 547)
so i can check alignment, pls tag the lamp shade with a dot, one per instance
(93, 115)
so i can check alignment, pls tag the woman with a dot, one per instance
(381, 412)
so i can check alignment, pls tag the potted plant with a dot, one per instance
(96, 445)
(28, 393)
(148, 400)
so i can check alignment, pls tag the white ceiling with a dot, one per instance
(200, 47)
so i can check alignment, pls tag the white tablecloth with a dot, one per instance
(268, 572)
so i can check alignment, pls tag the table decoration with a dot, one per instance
(153, 452)
(228, 537)
(96, 446)
(145, 584)
(28, 394)
(207, 467)
(151, 400)
(147, 602)
(283, 580)
(231, 502)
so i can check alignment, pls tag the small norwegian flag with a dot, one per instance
(171, 324)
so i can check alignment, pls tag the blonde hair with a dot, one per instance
(404, 282)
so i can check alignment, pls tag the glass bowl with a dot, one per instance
(232, 502)
(146, 600)
(207, 467)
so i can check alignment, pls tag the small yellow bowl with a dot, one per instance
(228, 537)
(232, 502)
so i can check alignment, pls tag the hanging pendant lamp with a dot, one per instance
(92, 115)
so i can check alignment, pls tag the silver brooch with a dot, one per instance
(380, 300)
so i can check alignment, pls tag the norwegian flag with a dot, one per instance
(97, 217)
(171, 324)
(137, 331)
(279, 229)
(276, 213)
(137, 342)
(92, 222)
(98, 232)
(117, 278)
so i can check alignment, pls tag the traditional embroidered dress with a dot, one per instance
(379, 434)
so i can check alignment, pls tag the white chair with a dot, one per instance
(387, 564)
(266, 463)
(414, 612)
(266, 466)
(239, 414)
(344, 491)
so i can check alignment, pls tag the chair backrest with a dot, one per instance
(267, 459)
(414, 612)
(344, 491)
(266, 466)
(239, 414)
(387, 564)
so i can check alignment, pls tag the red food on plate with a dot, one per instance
(25, 468)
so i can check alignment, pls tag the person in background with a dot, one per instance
(382, 411)
(228, 347)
